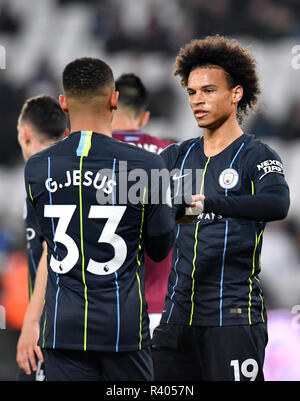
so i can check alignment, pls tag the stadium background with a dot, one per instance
(144, 36)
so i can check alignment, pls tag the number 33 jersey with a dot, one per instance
(94, 218)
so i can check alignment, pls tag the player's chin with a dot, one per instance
(211, 124)
(203, 124)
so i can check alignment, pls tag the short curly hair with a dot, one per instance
(219, 51)
(84, 77)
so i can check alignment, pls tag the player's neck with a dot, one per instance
(36, 147)
(82, 122)
(216, 140)
(124, 123)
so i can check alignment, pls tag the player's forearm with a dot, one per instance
(270, 205)
(158, 247)
(36, 304)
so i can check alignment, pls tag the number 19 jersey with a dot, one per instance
(95, 235)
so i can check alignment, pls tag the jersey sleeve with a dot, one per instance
(31, 220)
(170, 155)
(265, 168)
(160, 219)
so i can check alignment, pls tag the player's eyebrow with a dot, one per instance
(203, 87)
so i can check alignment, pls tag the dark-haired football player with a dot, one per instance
(41, 123)
(213, 325)
(96, 321)
(128, 121)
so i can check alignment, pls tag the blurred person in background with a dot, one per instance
(129, 119)
(214, 322)
(41, 123)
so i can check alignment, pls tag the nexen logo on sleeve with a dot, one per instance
(270, 166)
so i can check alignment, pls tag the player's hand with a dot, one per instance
(27, 348)
(192, 212)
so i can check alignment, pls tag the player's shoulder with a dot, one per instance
(256, 147)
(175, 150)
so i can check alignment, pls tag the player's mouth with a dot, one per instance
(200, 113)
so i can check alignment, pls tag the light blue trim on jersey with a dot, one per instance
(32, 260)
(178, 230)
(113, 178)
(118, 311)
(183, 162)
(116, 274)
(57, 276)
(176, 281)
(81, 144)
(222, 272)
(225, 244)
(132, 138)
(233, 160)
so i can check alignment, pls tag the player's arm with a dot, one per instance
(270, 199)
(162, 213)
(186, 208)
(270, 204)
(27, 346)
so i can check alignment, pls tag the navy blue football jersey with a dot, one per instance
(34, 241)
(95, 237)
(216, 260)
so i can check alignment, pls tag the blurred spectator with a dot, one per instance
(289, 129)
(9, 22)
(282, 360)
(68, 2)
(6, 244)
(156, 35)
(104, 21)
(161, 102)
(11, 101)
(270, 19)
(280, 264)
(264, 19)
(14, 297)
(261, 126)
(42, 80)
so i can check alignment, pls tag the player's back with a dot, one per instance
(94, 220)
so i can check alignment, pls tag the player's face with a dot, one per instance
(211, 99)
(22, 141)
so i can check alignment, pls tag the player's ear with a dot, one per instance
(144, 118)
(63, 103)
(24, 134)
(114, 99)
(237, 94)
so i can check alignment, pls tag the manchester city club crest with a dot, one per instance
(228, 178)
